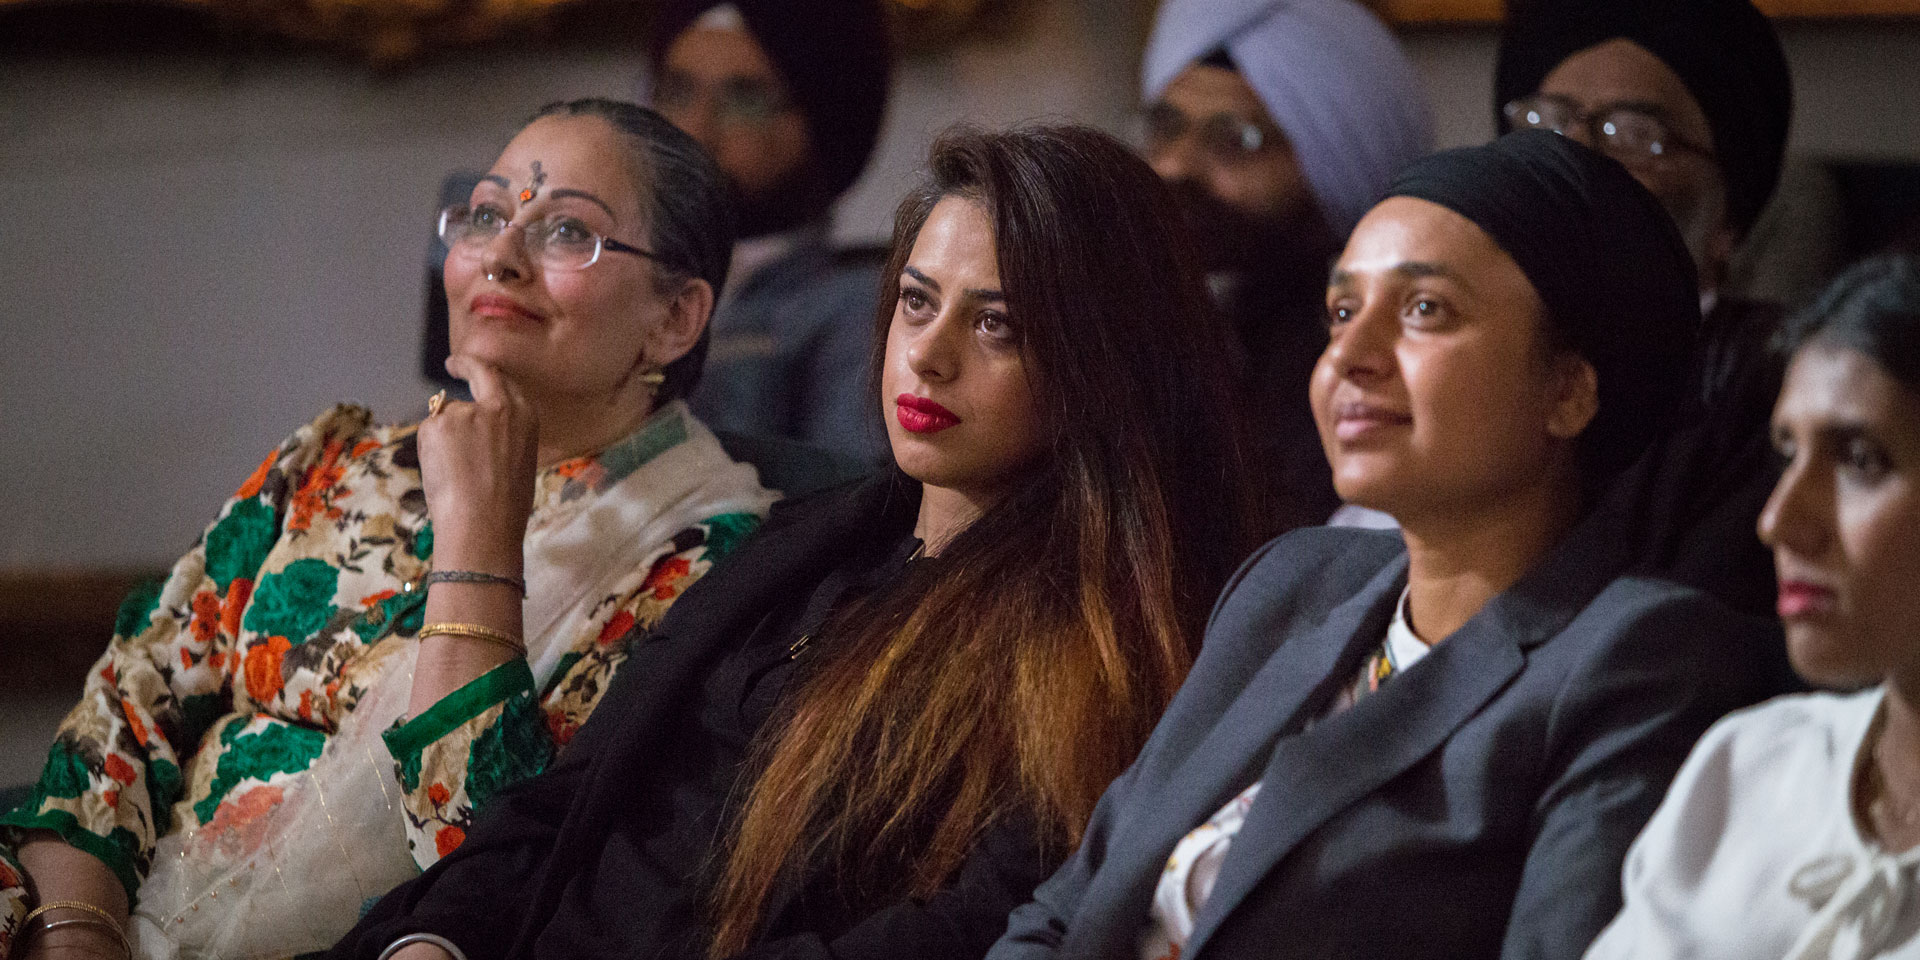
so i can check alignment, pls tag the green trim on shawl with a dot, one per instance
(115, 850)
(405, 740)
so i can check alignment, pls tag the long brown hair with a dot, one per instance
(1019, 672)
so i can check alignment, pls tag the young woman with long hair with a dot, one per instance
(873, 734)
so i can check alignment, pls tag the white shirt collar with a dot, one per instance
(1404, 647)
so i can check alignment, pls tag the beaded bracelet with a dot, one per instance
(473, 631)
(474, 576)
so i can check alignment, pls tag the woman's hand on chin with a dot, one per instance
(477, 465)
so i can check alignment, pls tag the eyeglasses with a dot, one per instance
(1223, 137)
(1624, 133)
(749, 101)
(558, 241)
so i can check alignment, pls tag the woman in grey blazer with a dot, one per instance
(1437, 742)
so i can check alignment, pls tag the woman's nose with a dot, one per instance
(504, 258)
(1798, 514)
(1362, 345)
(933, 354)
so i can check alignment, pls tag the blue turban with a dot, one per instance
(1331, 76)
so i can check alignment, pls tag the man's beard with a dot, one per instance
(1268, 271)
(798, 199)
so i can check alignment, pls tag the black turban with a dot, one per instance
(1724, 51)
(1605, 258)
(836, 59)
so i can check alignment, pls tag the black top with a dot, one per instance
(611, 852)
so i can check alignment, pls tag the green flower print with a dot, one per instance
(238, 544)
(294, 603)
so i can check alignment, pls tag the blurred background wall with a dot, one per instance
(201, 250)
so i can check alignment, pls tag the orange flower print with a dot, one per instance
(373, 599)
(449, 839)
(363, 448)
(238, 593)
(206, 616)
(664, 575)
(8, 878)
(133, 721)
(306, 705)
(219, 661)
(573, 468)
(561, 728)
(258, 479)
(240, 823)
(112, 797)
(119, 769)
(439, 794)
(186, 659)
(616, 628)
(310, 499)
(263, 668)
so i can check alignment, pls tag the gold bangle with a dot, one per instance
(100, 919)
(79, 905)
(473, 631)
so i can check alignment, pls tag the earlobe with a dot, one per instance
(686, 319)
(1577, 400)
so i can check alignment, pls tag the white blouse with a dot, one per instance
(1756, 852)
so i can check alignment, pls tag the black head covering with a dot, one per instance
(837, 61)
(1725, 52)
(1605, 258)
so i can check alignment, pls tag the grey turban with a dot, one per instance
(1332, 77)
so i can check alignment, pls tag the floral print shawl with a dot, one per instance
(225, 684)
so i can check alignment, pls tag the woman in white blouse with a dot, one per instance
(1794, 828)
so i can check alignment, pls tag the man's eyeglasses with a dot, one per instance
(1622, 132)
(1223, 137)
(558, 241)
(749, 101)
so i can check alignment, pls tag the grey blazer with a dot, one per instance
(1478, 805)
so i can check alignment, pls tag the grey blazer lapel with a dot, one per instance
(1313, 776)
(1236, 746)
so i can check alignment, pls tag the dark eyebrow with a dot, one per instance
(561, 192)
(1413, 269)
(1647, 107)
(496, 180)
(1417, 269)
(976, 293)
(923, 278)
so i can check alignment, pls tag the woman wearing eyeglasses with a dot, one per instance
(877, 727)
(385, 626)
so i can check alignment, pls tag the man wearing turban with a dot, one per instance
(1694, 98)
(788, 96)
(1278, 123)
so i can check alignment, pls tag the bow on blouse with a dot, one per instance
(1856, 903)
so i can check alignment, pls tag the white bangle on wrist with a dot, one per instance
(411, 938)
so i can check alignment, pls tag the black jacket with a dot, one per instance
(610, 853)
(1478, 805)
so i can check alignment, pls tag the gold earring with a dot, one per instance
(653, 378)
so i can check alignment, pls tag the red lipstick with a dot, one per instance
(1355, 421)
(921, 415)
(1800, 599)
(504, 308)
